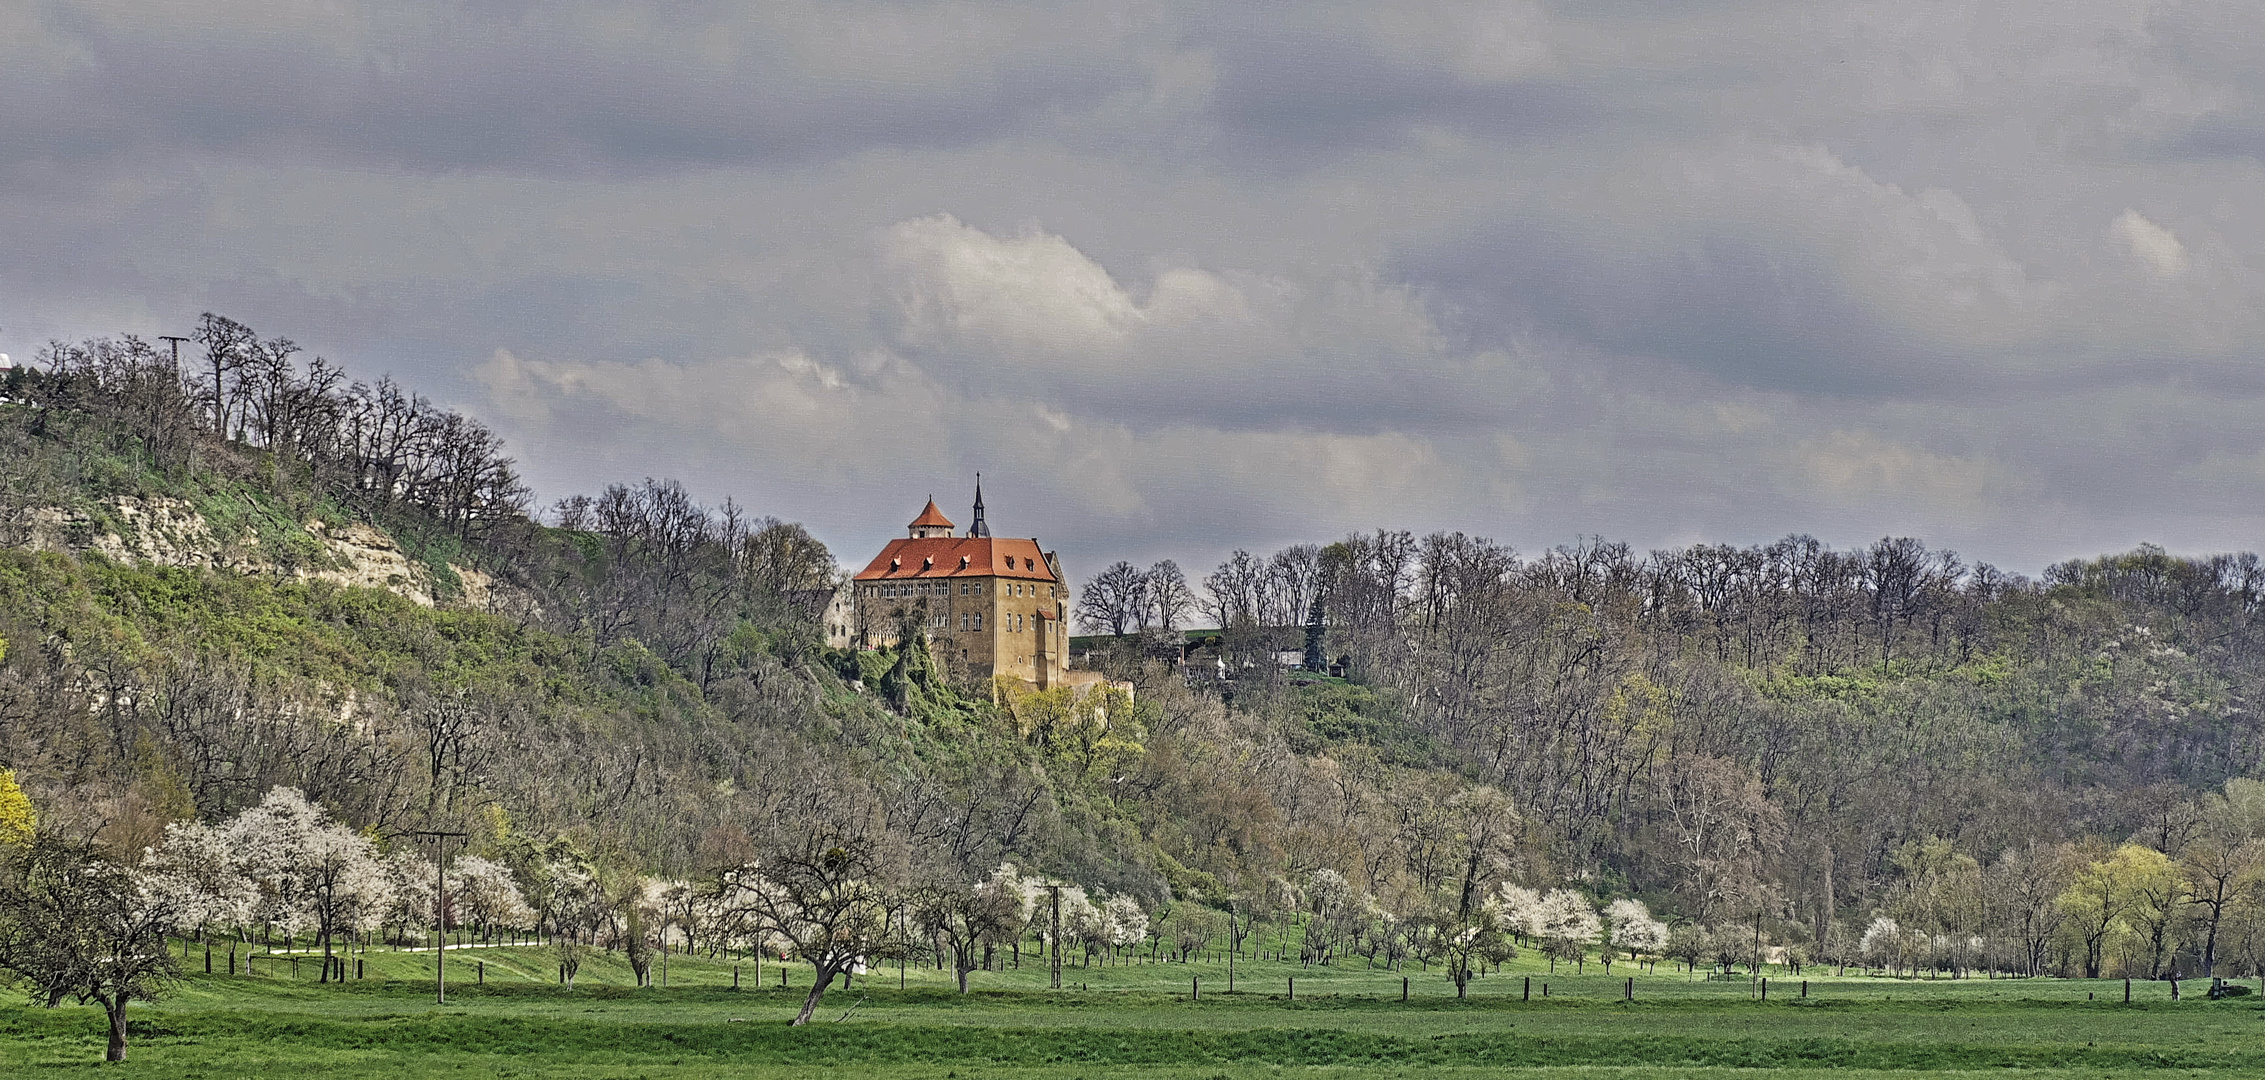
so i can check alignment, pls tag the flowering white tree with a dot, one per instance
(345, 890)
(1127, 924)
(283, 862)
(574, 896)
(1883, 942)
(411, 877)
(489, 896)
(1018, 896)
(1517, 910)
(194, 874)
(1336, 910)
(1566, 924)
(1634, 929)
(1082, 922)
(325, 877)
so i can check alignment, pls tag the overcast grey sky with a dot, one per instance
(1185, 277)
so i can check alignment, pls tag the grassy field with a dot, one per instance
(1133, 1020)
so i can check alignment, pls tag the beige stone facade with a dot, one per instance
(990, 606)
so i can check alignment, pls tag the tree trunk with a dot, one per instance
(2210, 945)
(824, 977)
(117, 1009)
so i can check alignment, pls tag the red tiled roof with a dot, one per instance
(939, 557)
(931, 517)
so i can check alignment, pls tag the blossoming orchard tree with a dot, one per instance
(491, 899)
(324, 877)
(281, 863)
(195, 869)
(1630, 926)
(1567, 925)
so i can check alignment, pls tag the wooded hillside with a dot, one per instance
(1805, 742)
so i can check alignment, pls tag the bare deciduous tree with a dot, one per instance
(74, 924)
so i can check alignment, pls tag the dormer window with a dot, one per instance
(928, 563)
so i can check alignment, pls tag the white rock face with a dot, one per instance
(170, 532)
(370, 559)
(164, 532)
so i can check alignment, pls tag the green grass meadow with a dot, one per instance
(1121, 1021)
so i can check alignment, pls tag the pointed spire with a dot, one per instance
(979, 527)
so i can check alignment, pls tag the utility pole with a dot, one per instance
(175, 341)
(440, 909)
(1054, 946)
(1232, 946)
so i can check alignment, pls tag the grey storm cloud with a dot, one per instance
(1180, 278)
(535, 89)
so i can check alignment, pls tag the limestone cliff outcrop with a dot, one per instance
(171, 532)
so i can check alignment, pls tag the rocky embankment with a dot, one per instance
(171, 532)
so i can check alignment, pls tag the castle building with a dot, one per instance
(991, 606)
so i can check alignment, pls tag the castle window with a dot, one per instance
(979, 620)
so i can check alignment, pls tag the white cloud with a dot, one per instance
(1029, 292)
(1031, 314)
(2150, 243)
(1863, 468)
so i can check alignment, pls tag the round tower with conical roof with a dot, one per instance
(930, 523)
